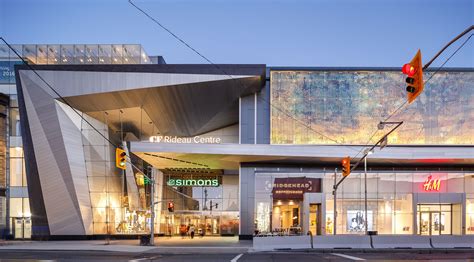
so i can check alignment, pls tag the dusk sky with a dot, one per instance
(277, 33)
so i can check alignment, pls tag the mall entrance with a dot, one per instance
(286, 219)
(438, 219)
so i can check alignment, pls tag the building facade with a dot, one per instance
(243, 150)
(15, 215)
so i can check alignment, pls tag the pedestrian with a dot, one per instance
(191, 230)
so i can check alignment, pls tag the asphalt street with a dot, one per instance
(28, 255)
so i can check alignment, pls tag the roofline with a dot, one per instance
(310, 68)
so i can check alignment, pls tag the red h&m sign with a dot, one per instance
(432, 184)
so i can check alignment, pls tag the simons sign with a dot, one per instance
(192, 182)
(295, 187)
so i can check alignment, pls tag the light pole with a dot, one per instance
(152, 206)
(367, 153)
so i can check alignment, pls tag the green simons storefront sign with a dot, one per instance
(192, 182)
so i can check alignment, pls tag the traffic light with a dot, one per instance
(170, 207)
(120, 158)
(414, 72)
(146, 180)
(140, 179)
(346, 166)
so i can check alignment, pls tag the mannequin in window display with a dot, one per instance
(328, 225)
(436, 223)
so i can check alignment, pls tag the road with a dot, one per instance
(29, 255)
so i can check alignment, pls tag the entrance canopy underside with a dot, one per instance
(229, 156)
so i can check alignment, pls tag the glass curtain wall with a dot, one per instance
(211, 209)
(14, 209)
(347, 106)
(390, 201)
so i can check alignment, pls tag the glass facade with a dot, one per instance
(346, 106)
(398, 202)
(212, 208)
(14, 206)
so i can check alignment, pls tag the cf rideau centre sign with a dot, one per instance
(185, 140)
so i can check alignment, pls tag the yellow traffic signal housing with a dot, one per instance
(346, 166)
(120, 158)
(414, 70)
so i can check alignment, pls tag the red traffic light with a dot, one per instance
(409, 70)
(346, 166)
(170, 206)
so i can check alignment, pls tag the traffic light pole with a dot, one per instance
(380, 141)
(152, 206)
(447, 45)
(335, 201)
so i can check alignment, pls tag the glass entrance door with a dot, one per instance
(314, 219)
(424, 223)
(435, 223)
(434, 220)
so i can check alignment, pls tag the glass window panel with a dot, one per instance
(79, 54)
(360, 94)
(470, 214)
(53, 54)
(404, 182)
(469, 180)
(16, 152)
(41, 54)
(13, 99)
(26, 207)
(97, 184)
(105, 54)
(17, 167)
(15, 128)
(92, 54)
(16, 207)
(100, 228)
(131, 54)
(67, 54)
(29, 52)
(117, 54)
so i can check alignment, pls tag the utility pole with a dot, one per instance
(366, 218)
(334, 192)
(382, 142)
(152, 206)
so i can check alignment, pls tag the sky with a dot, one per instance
(327, 33)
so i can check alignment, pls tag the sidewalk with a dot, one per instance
(162, 245)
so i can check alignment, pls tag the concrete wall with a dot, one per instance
(255, 117)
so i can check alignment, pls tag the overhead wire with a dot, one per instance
(233, 78)
(406, 101)
(64, 100)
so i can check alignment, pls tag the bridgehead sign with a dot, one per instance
(186, 140)
(214, 182)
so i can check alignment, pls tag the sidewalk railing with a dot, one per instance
(363, 242)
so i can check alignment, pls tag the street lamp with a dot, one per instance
(367, 152)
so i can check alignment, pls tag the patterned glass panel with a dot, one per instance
(346, 106)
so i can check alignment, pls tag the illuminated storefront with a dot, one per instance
(231, 163)
(205, 199)
(398, 203)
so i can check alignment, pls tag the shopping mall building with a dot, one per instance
(239, 149)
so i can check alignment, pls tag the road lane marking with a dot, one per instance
(145, 258)
(347, 256)
(236, 258)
